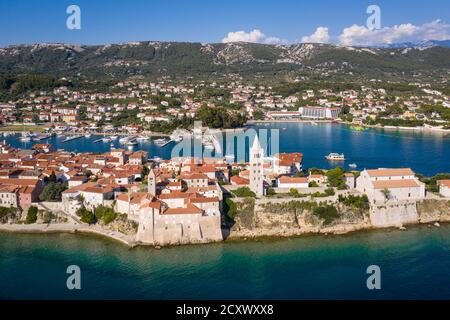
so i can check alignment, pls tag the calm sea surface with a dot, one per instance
(414, 264)
(426, 153)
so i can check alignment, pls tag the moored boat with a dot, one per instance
(335, 157)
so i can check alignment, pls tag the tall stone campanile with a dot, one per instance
(151, 182)
(256, 168)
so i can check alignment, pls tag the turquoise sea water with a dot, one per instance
(414, 264)
(426, 153)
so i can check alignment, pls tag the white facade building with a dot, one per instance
(384, 185)
(444, 188)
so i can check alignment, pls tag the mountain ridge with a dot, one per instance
(152, 59)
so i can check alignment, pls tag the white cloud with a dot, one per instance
(255, 36)
(321, 35)
(362, 36)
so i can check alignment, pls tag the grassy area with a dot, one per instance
(23, 128)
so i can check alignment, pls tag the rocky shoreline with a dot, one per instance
(275, 229)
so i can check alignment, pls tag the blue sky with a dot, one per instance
(113, 21)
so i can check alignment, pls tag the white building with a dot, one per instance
(292, 182)
(319, 112)
(382, 185)
(444, 188)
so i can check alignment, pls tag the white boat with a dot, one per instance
(160, 142)
(142, 139)
(26, 137)
(353, 165)
(41, 137)
(125, 140)
(70, 138)
(87, 136)
(209, 146)
(106, 139)
(113, 137)
(131, 143)
(314, 123)
(335, 157)
(112, 145)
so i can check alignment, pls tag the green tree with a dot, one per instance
(52, 192)
(86, 215)
(105, 214)
(336, 178)
(31, 215)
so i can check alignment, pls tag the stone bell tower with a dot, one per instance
(256, 168)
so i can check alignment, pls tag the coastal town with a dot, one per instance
(136, 199)
(132, 107)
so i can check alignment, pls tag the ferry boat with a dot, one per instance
(335, 157)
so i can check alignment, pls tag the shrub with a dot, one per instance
(31, 215)
(294, 193)
(86, 215)
(330, 192)
(359, 202)
(7, 214)
(47, 217)
(327, 213)
(230, 208)
(313, 184)
(271, 192)
(106, 214)
(244, 192)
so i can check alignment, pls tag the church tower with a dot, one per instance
(256, 168)
(151, 182)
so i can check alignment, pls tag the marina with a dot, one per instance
(425, 152)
